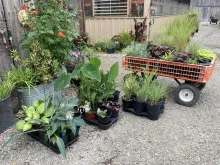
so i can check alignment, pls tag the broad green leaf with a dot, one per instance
(79, 121)
(36, 121)
(113, 73)
(50, 40)
(90, 71)
(86, 59)
(76, 71)
(50, 31)
(61, 118)
(62, 81)
(74, 127)
(61, 146)
(31, 34)
(55, 126)
(49, 133)
(73, 102)
(96, 62)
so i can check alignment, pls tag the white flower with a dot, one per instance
(69, 115)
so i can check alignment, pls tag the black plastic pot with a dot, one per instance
(139, 107)
(70, 134)
(162, 104)
(115, 97)
(76, 82)
(197, 30)
(115, 113)
(106, 120)
(110, 51)
(154, 111)
(127, 103)
(6, 114)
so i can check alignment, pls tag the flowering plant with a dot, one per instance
(53, 27)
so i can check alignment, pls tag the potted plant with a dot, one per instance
(34, 76)
(130, 85)
(103, 116)
(6, 110)
(89, 114)
(156, 94)
(114, 108)
(140, 100)
(52, 120)
(111, 47)
(125, 38)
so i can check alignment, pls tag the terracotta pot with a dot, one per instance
(90, 116)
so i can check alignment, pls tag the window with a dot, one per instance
(168, 7)
(110, 7)
(137, 8)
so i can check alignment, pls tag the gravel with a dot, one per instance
(182, 136)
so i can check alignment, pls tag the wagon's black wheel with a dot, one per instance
(186, 94)
(200, 86)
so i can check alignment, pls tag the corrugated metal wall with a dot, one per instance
(107, 27)
(207, 8)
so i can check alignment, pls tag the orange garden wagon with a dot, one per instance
(195, 76)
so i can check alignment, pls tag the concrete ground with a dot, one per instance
(182, 136)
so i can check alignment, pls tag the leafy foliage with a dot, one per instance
(40, 62)
(6, 86)
(138, 50)
(125, 38)
(53, 28)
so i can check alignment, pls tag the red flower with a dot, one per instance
(60, 34)
(34, 12)
(23, 7)
(31, 26)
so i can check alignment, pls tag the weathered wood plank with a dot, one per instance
(5, 60)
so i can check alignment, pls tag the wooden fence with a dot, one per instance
(8, 21)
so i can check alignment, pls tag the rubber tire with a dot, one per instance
(200, 87)
(190, 87)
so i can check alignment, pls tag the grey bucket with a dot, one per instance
(6, 114)
(28, 96)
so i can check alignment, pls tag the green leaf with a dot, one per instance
(93, 96)
(113, 73)
(79, 121)
(86, 59)
(61, 118)
(36, 121)
(50, 40)
(31, 34)
(76, 71)
(50, 31)
(90, 71)
(61, 146)
(49, 133)
(62, 81)
(96, 62)
(73, 102)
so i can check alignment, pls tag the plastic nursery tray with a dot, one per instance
(133, 111)
(100, 126)
(52, 147)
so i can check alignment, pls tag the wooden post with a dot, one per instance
(12, 8)
(5, 60)
(147, 14)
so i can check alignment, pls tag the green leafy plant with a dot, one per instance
(206, 54)
(168, 56)
(193, 49)
(177, 34)
(125, 38)
(137, 50)
(100, 46)
(53, 116)
(95, 85)
(111, 45)
(130, 86)
(157, 92)
(40, 62)
(101, 113)
(22, 77)
(53, 27)
(6, 86)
